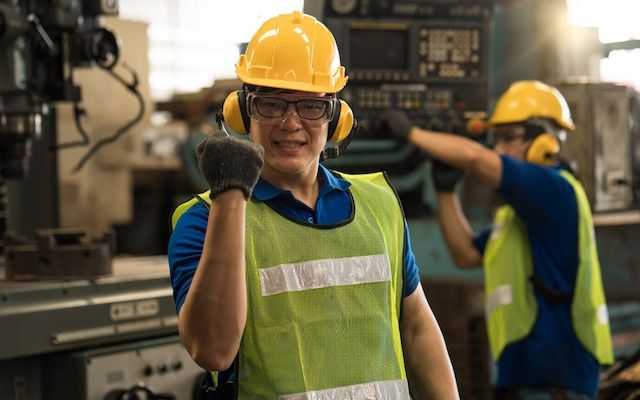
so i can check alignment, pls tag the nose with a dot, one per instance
(291, 120)
(499, 147)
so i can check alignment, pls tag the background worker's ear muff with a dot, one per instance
(543, 149)
(235, 113)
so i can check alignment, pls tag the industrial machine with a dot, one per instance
(75, 323)
(428, 58)
(42, 45)
(606, 146)
(80, 327)
(158, 369)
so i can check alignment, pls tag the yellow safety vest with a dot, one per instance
(324, 301)
(511, 307)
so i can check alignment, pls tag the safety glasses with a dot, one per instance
(273, 108)
(511, 133)
(505, 136)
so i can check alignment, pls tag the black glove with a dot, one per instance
(396, 122)
(445, 177)
(230, 163)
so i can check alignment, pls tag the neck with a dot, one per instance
(304, 187)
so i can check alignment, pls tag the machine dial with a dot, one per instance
(343, 6)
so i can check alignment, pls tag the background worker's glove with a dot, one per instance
(445, 177)
(396, 122)
(230, 163)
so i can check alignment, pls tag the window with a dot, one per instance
(619, 31)
(194, 42)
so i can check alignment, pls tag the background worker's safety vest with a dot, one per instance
(511, 308)
(324, 301)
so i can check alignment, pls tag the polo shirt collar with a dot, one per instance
(265, 191)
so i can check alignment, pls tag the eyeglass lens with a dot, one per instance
(507, 134)
(274, 107)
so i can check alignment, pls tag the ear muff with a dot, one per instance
(235, 113)
(543, 149)
(342, 123)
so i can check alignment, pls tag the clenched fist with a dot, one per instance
(230, 163)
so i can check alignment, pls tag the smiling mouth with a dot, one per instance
(289, 144)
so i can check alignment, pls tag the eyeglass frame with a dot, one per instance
(328, 115)
(531, 129)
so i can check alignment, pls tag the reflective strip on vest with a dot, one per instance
(502, 296)
(324, 273)
(383, 390)
(602, 314)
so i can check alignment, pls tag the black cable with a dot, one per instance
(4, 214)
(77, 113)
(133, 88)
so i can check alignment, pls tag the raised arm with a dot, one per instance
(213, 316)
(457, 151)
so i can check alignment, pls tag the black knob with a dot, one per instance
(147, 371)
(176, 366)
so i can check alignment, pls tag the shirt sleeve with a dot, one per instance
(481, 239)
(411, 268)
(185, 249)
(534, 191)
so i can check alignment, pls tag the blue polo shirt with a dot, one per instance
(333, 206)
(551, 355)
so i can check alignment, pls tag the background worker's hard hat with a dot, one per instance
(526, 100)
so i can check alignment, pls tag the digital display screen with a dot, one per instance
(379, 49)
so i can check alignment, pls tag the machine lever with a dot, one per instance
(43, 38)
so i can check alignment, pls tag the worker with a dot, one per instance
(290, 279)
(545, 308)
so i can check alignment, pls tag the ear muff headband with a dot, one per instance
(543, 149)
(235, 113)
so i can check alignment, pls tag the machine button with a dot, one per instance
(147, 371)
(177, 365)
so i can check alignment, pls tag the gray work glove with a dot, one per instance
(395, 122)
(230, 163)
(445, 177)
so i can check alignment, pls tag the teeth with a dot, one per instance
(289, 144)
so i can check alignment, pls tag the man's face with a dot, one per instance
(292, 129)
(511, 140)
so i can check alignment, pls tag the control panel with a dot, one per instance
(428, 58)
(158, 368)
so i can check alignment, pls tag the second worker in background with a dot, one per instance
(546, 314)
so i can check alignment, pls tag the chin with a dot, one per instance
(291, 166)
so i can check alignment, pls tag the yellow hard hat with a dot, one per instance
(293, 51)
(525, 100)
